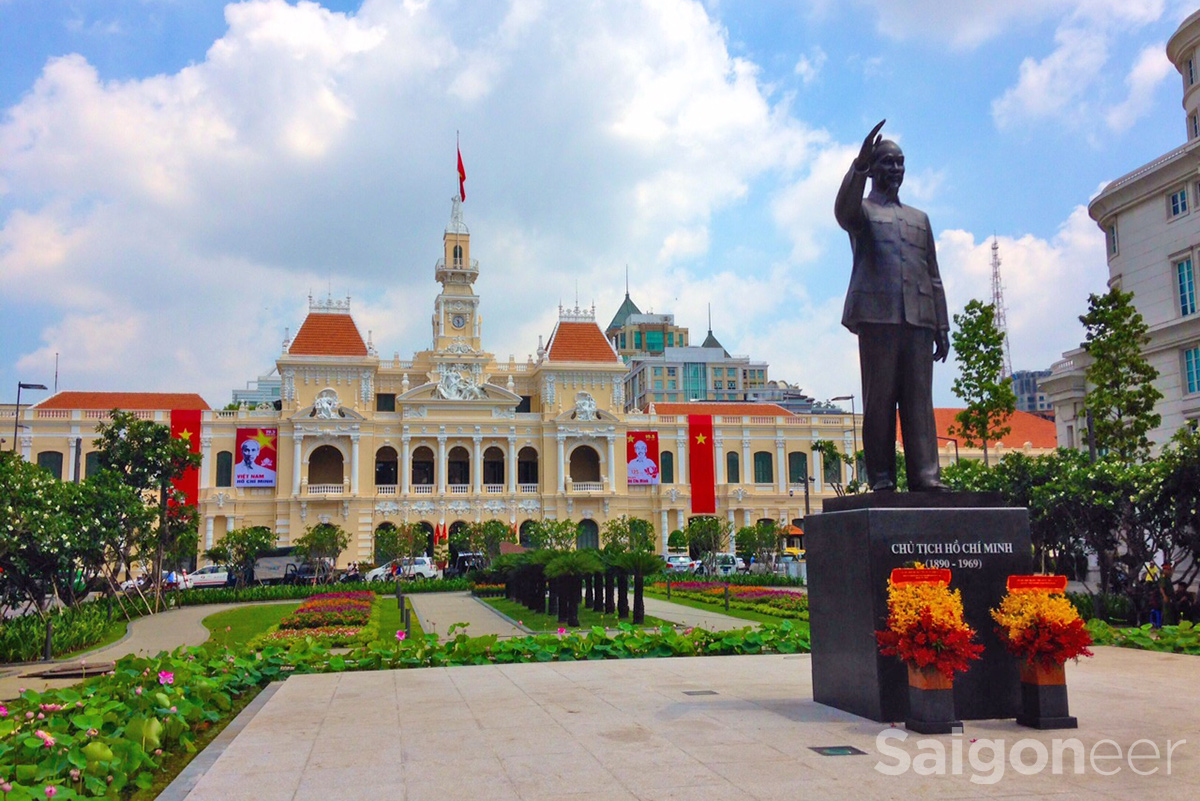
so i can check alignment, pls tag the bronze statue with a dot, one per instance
(897, 308)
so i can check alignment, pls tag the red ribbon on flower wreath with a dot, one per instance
(1046, 583)
(921, 575)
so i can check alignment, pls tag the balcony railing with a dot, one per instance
(421, 489)
(325, 489)
(527, 489)
(385, 489)
(459, 489)
(588, 486)
(493, 489)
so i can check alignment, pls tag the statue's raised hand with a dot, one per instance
(863, 162)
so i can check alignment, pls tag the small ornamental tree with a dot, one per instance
(240, 549)
(707, 536)
(980, 384)
(1121, 393)
(324, 541)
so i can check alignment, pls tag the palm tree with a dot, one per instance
(569, 569)
(641, 564)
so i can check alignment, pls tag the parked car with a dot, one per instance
(210, 576)
(724, 564)
(421, 567)
(308, 573)
(464, 564)
(681, 563)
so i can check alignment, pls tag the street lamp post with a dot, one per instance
(17, 416)
(853, 429)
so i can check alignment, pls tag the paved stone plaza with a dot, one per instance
(713, 728)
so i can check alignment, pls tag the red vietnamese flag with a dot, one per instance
(701, 462)
(185, 425)
(462, 177)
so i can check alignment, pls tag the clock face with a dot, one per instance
(458, 321)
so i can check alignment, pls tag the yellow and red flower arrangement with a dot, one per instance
(925, 628)
(1041, 626)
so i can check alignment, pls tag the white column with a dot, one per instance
(748, 515)
(229, 526)
(681, 447)
(71, 442)
(441, 464)
(612, 463)
(817, 468)
(297, 455)
(405, 464)
(511, 467)
(562, 464)
(206, 461)
(747, 464)
(719, 458)
(666, 533)
(354, 464)
(477, 464)
(27, 447)
(732, 522)
(679, 521)
(208, 532)
(781, 465)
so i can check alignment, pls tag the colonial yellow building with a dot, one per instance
(454, 435)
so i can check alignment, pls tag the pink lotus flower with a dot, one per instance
(561, 631)
(92, 732)
(51, 792)
(3, 711)
(5, 788)
(45, 737)
(400, 635)
(137, 690)
(166, 677)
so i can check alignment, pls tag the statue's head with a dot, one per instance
(887, 166)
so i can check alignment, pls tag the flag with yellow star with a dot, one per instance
(702, 464)
(185, 425)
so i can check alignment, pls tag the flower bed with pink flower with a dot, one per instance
(331, 619)
(777, 601)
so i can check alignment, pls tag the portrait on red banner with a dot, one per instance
(641, 453)
(257, 457)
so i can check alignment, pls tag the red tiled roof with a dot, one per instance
(124, 400)
(731, 409)
(1026, 427)
(325, 334)
(579, 342)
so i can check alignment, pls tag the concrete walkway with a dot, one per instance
(736, 727)
(696, 618)
(145, 636)
(438, 611)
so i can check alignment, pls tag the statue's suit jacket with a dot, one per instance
(895, 276)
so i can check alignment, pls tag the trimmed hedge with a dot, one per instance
(736, 579)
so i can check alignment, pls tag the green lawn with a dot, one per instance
(719, 606)
(391, 621)
(245, 622)
(587, 618)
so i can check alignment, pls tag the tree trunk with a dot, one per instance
(158, 553)
(575, 583)
(589, 592)
(622, 594)
(598, 595)
(639, 599)
(610, 592)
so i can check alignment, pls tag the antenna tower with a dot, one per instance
(998, 307)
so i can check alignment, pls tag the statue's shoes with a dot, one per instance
(883, 486)
(932, 486)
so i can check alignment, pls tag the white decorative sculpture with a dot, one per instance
(326, 406)
(453, 386)
(585, 406)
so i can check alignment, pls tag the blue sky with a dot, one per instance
(176, 176)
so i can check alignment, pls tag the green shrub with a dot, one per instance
(1118, 608)
(22, 639)
(736, 579)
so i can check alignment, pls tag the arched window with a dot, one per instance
(588, 536)
(527, 466)
(458, 256)
(585, 464)
(667, 465)
(387, 467)
(458, 466)
(91, 464)
(797, 467)
(225, 468)
(427, 527)
(422, 467)
(525, 535)
(52, 462)
(764, 469)
(493, 466)
(326, 466)
(732, 473)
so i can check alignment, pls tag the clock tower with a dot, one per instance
(457, 326)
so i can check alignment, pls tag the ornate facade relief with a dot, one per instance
(548, 390)
(529, 506)
(585, 406)
(387, 508)
(327, 406)
(459, 382)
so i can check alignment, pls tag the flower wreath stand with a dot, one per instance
(925, 628)
(1042, 628)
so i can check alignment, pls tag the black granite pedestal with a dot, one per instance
(852, 548)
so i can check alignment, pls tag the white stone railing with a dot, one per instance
(421, 489)
(588, 486)
(493, 489)
(385, 489)
(325, 489)
(459, 489)
(527, 489)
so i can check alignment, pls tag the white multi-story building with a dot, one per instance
(1152, 227)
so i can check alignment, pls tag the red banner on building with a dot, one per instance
(257, 457)
(702, 464)
(641, 457)
(185, 425)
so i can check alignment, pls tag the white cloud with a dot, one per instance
(1149, 71)
(809, 66)
(1051, 86)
